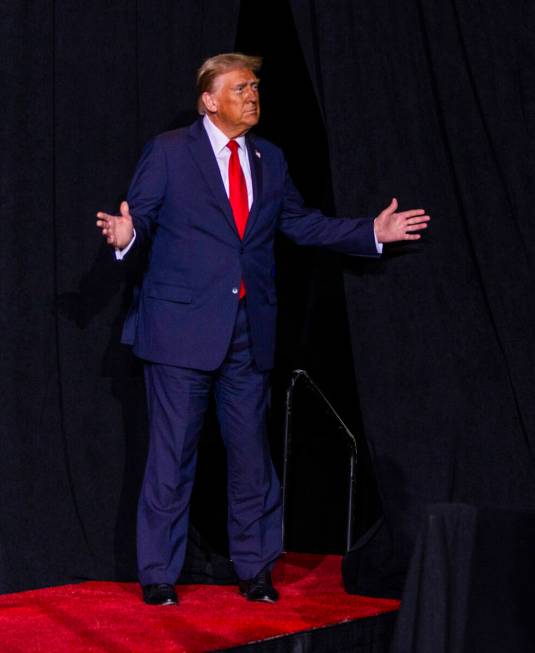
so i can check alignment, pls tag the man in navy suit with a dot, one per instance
(206, 200)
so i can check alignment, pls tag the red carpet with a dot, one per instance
(110, 617)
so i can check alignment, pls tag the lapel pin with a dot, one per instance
(258, 154)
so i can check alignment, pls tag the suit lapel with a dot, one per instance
(255, 163)
(203, 155)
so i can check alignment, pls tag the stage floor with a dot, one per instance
(110, 617)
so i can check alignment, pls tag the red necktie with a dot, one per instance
(237, 195)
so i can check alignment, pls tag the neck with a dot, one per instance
(228, 131)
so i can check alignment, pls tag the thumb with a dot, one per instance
(125, 210)
(392, 208)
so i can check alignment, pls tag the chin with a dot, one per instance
(251, 119)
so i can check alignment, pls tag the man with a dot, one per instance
(207, 200)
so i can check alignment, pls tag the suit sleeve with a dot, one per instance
(353, 236)
(147, 191)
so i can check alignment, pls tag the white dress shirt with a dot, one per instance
(219, 141)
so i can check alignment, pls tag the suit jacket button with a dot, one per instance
(234, 291)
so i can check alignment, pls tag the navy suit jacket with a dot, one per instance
(184, 313)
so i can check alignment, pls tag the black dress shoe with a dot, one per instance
(159, 594)
(259, 588)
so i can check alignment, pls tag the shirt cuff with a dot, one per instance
(121, 253)
(378, 245)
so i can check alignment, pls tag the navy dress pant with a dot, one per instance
(177, 402)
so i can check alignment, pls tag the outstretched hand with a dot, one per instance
(117, 229)
(391, 226)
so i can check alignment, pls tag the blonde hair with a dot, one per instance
(218, 65)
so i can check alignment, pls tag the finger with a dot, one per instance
(104, 216)
(424, 219)
(412, 237)
(391, 208)
(107, 228)
(125, 210)
(416, 227)
(411, 214)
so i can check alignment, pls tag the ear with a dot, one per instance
(209, 101)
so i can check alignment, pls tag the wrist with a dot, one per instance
(378, 230)
(123, 244)
(129, 239)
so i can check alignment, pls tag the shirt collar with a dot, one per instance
(218, 139)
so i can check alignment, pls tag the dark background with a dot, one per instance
(431, 102)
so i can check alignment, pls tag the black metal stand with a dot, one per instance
(350, 440)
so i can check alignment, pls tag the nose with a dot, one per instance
(252, 94)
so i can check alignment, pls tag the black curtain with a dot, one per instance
(85, 85)
(434, 103)
(431, 102)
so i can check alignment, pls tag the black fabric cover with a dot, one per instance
(85, 84)
(470, 583)
(434, 103)
(369, 635)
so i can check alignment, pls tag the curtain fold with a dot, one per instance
(433, 104)
(86, 84)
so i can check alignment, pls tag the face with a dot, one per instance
(234, 105)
